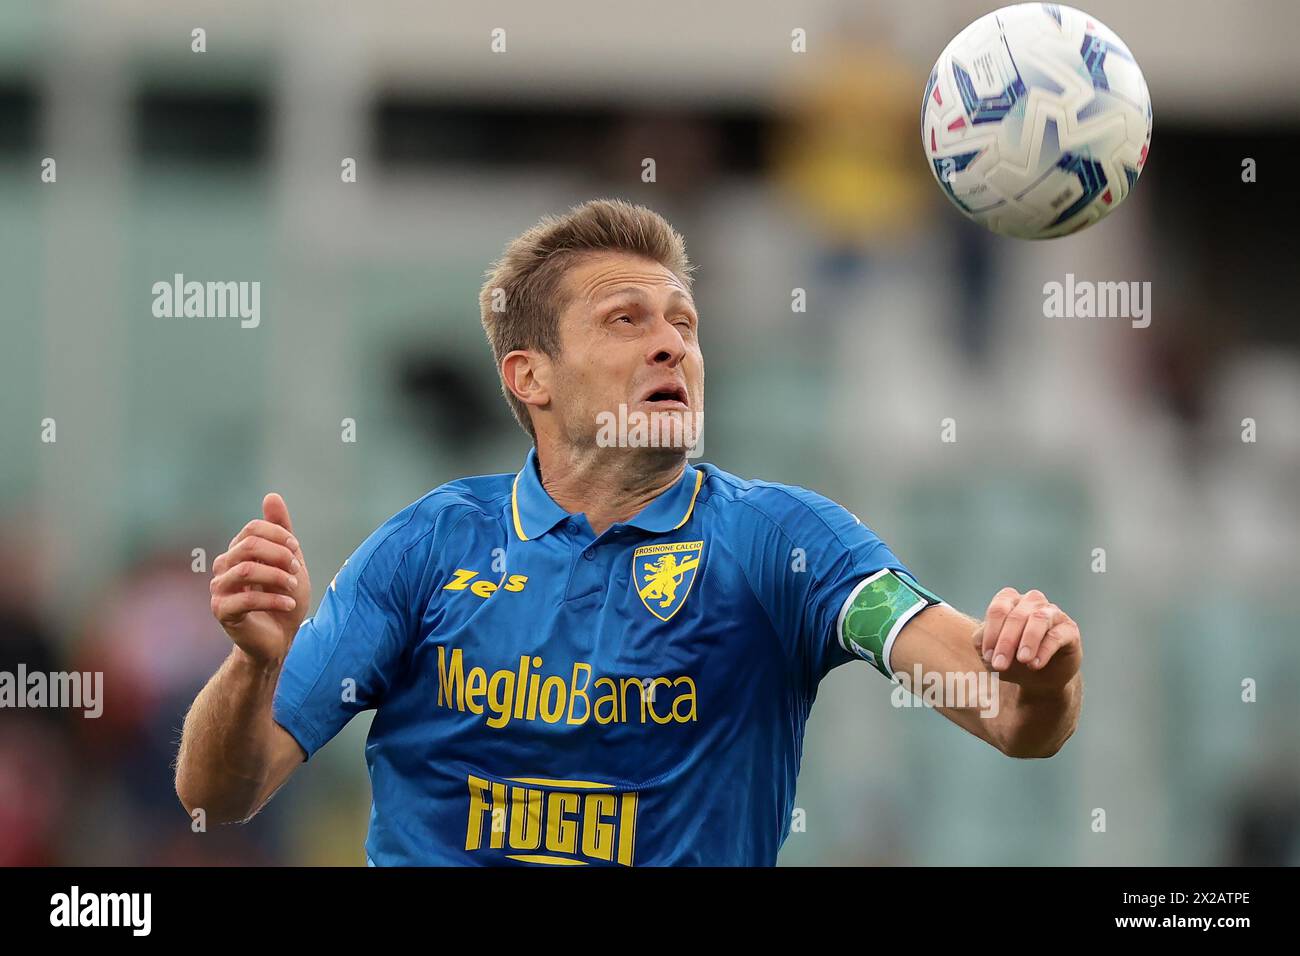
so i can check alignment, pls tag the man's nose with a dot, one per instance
(668, 348)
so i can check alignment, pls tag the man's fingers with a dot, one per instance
(257, 549)
(252, 574)
(276, 511)
(1041, 620)
(229, 608)
(1013, 628)
(1001, 605)
(1027, 628)
(268, 530)
(1063, 634)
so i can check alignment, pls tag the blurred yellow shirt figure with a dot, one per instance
(847, 151)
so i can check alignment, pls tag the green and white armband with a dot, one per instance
(876, 611)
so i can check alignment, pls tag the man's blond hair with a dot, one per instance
(521, 301)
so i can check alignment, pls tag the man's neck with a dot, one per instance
(609, 485)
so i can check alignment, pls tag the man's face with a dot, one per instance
(628, 336)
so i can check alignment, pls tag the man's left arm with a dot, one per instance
(1032, 646)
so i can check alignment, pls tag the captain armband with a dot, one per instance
(876, 611)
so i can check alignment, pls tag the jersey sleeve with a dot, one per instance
(344, 658)
(835, 590)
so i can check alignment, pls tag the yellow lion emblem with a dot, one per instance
(664, 574)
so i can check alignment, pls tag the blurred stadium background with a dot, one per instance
(783, 170)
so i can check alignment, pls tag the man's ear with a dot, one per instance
(527, 373)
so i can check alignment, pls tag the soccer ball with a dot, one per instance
(1036, 120)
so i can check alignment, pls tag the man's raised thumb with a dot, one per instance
(276, 511)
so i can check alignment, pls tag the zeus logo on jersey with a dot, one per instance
(484, 588)
(557, 822)
(507, 694)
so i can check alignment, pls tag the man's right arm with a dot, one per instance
(233, 755)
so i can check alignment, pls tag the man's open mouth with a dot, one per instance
(667, 396)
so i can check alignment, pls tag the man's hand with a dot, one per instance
(233, 755)
(260, 588)
(1029, 641)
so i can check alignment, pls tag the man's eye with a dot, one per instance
(621, 318)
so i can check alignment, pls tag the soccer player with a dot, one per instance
(610, 656)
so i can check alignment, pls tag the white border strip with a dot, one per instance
(893, 634)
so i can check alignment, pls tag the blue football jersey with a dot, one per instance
(543, 695)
